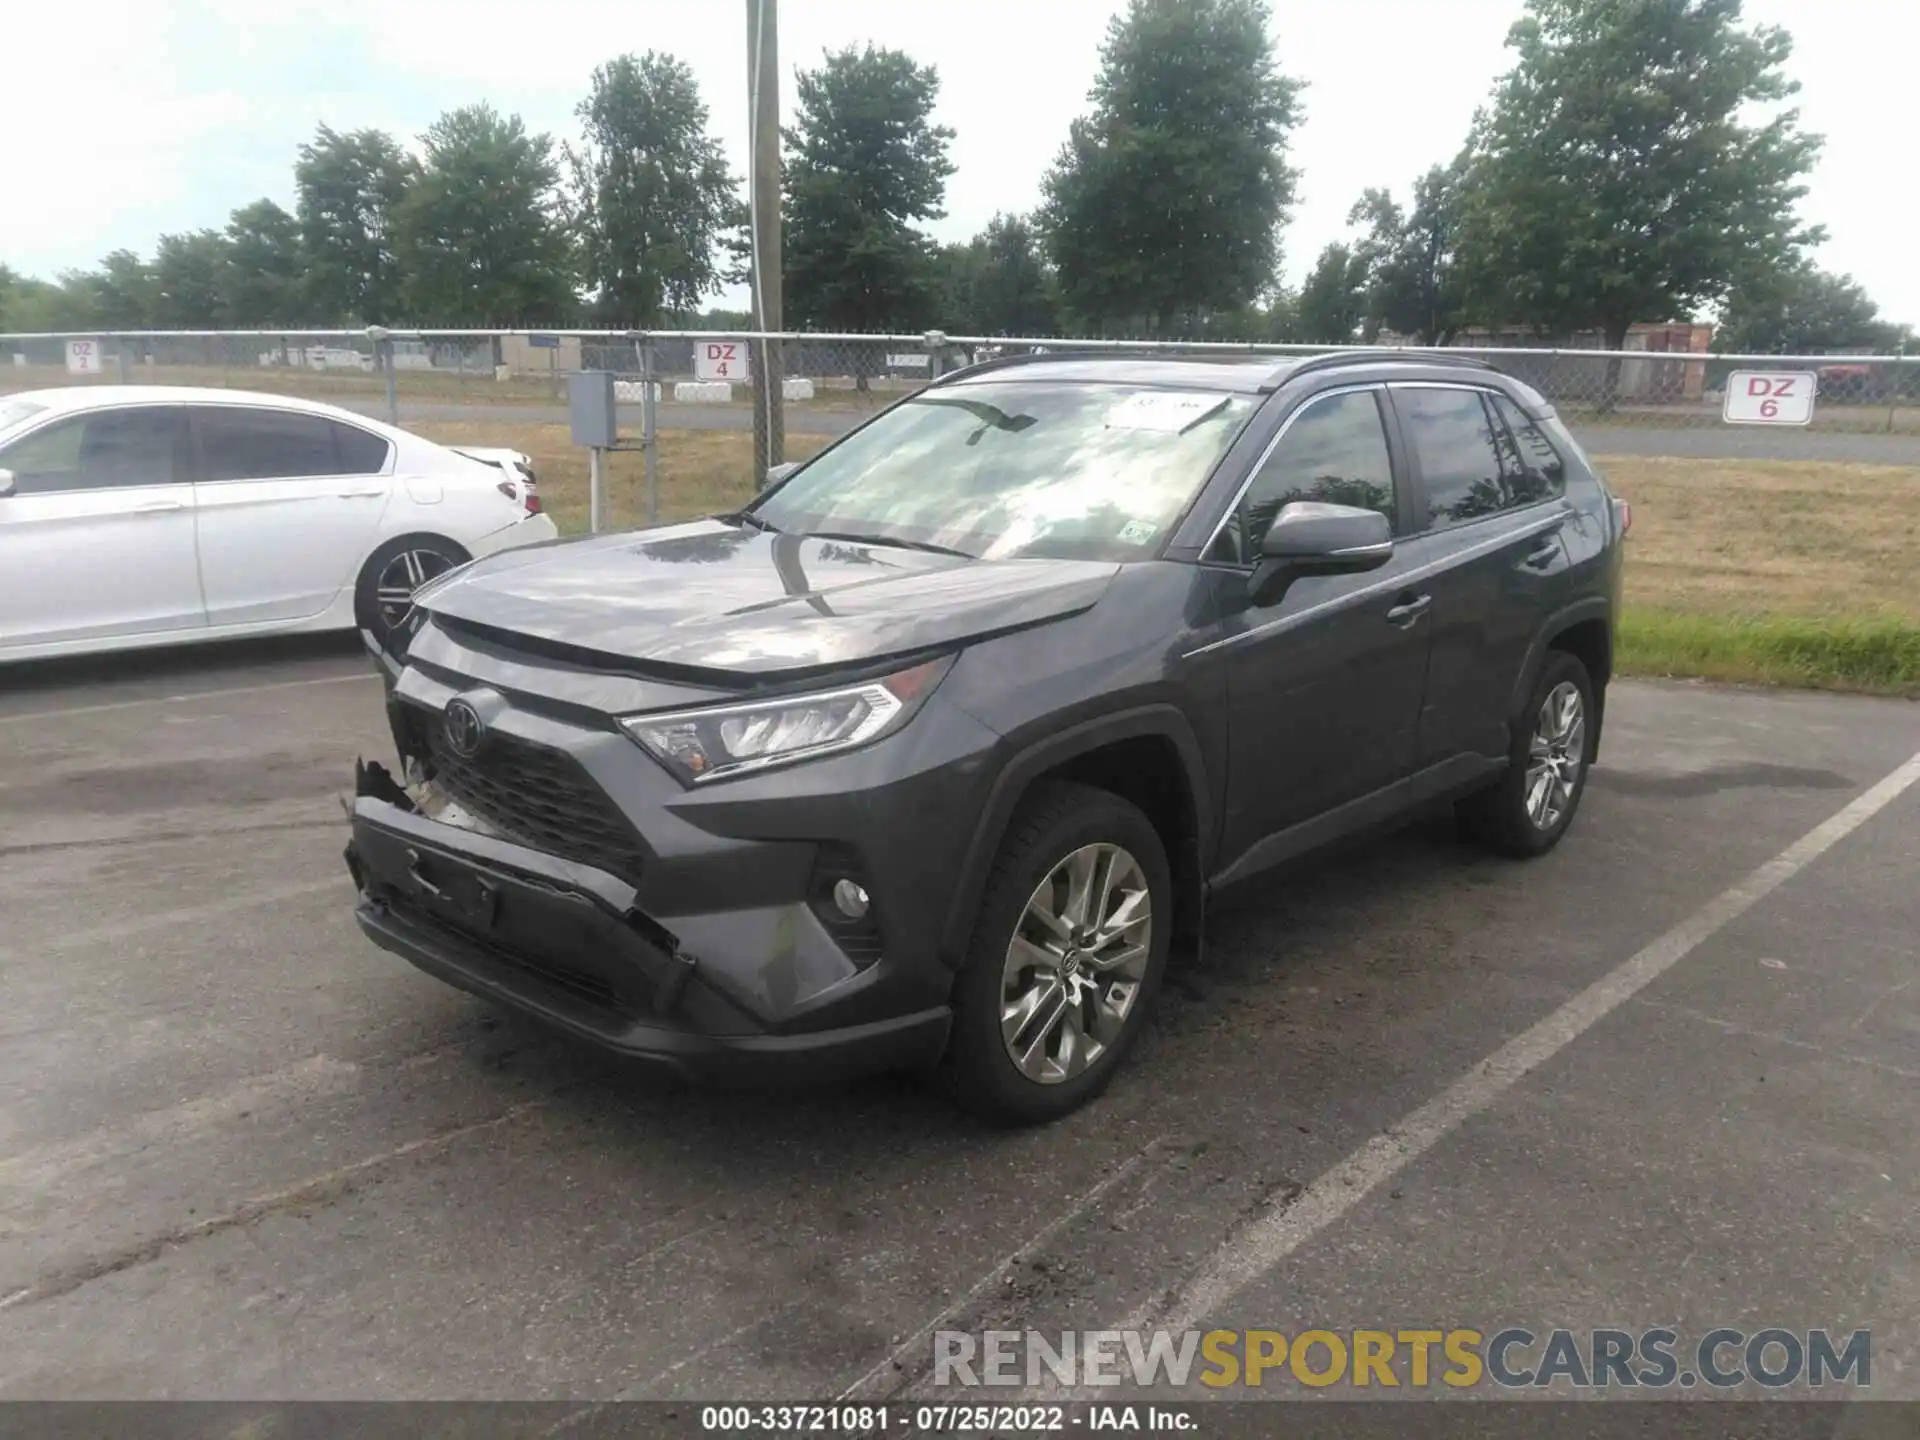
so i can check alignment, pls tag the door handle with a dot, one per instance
(157, 507)
(1544, 552)
(361, 494)
(1407, 612)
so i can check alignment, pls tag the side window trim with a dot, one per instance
(1395, 459)
(1417, 481)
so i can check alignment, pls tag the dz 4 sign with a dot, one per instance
(720, 360)
(1768, 397)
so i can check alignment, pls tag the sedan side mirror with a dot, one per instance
(7, 482)
(777, 473)
(1311, 538)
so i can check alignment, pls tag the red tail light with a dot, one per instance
(1623, 513)
(527, 493)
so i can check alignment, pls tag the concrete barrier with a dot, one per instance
(702, 392)
(796, 389)
(634, 392)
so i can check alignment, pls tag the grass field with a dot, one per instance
(1769, 572)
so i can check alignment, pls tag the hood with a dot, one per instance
(714, 596)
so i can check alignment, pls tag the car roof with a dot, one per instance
(1243, 374)
(68, 399)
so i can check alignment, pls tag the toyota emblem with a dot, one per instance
(466, 732)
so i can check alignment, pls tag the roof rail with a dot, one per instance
(1283, 365)
(1376, 356)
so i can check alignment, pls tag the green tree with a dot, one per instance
(652, 197)
(1414, 287)
(264, 267)
(1333, 301)
(1634, 161)
(864, 161)
(350, 187)
(996, 283)
(40, 305)
(1801, 310)
(120, 295)
(191, 282)
(1166, 202)
(477, 237)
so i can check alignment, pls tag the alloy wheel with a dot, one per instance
(1555, 754)
(1076, 963)
(403, 575)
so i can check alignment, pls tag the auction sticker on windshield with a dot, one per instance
(1162, 410)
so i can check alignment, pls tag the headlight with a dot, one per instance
(720, 740)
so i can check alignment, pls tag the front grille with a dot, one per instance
(536, 796)
(583, 986)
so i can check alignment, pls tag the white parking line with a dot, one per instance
(183, 697)
(1276, 1235)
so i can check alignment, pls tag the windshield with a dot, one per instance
(996, 470)
(13, 412)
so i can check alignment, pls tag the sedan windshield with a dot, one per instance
(994, 470)
(12, 412)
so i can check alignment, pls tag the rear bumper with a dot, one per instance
(564, 942)
(529, 531)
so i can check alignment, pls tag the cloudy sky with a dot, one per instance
(127, 118)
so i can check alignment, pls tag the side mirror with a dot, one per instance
(7, 482)
(777, 473)
(1311, 538)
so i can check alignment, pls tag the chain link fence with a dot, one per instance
(726, 407)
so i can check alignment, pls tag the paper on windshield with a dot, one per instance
(1166, 410)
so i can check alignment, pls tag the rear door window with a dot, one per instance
(237, 443)
(101, 450)
(361, 451)
(1471, 465)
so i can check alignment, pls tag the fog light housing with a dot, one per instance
(851, 899)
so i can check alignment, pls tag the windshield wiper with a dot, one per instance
(745, 517)
(892, 540)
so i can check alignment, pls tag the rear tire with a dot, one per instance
(384, 591)
(1067, 953)
(1527, 811)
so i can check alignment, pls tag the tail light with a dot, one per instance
(1623, 515)
(527, 492)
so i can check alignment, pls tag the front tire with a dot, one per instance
(1531, 806)
(383, 594)
(1066, 955)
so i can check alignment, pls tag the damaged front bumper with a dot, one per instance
(566, 942)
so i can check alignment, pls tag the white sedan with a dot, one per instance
(154, 515)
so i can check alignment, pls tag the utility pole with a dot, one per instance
(763, 99)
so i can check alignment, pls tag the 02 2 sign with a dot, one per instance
(720, 360)
(83, 357)
(1769, 397)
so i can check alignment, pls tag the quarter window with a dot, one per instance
(1536, 469)
(1334, 451)
(103, 450)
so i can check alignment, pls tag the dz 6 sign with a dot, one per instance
(1768, 397)
(720, 360)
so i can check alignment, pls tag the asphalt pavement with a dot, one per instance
(1666, 1075)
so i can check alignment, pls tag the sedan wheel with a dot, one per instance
(404, 574)
(1076, 962)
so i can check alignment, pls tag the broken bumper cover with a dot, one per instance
(563, 942)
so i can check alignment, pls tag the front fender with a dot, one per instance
(1019, 773)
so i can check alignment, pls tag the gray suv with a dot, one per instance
(930, 755)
